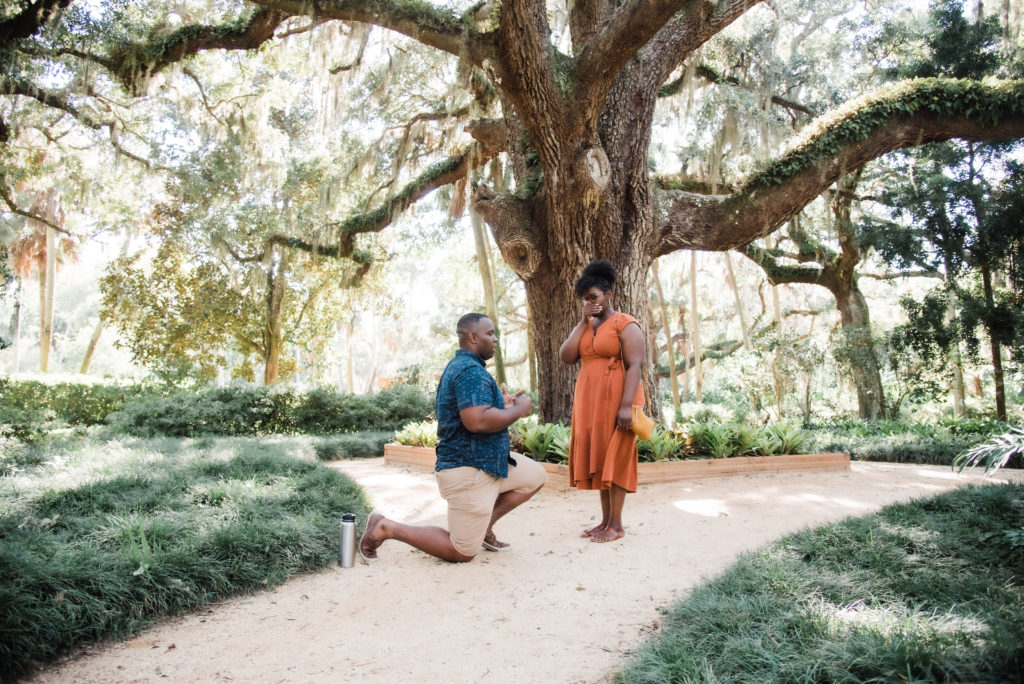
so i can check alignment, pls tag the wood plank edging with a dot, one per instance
(662, 471)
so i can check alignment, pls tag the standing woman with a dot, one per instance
(602, 449)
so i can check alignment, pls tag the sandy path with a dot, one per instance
(555, 608)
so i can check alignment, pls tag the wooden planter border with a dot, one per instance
(662, 471)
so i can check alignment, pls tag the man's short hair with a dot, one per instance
(468, 322)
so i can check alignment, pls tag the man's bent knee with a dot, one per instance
(458, 557)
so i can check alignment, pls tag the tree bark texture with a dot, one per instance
(957, 391)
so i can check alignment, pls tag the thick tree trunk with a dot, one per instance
(956, 363)
(531, 352)
(350, 372)
(595, 204)
(997, 356)
(867, 379)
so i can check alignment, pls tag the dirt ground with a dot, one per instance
(553, 608)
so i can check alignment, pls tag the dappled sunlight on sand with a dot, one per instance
(711, 508)
(398, 493)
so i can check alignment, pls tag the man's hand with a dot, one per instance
(519, 400)
(523, 403)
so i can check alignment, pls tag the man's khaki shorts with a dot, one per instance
(471, 494)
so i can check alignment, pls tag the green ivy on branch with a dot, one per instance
(984, 102)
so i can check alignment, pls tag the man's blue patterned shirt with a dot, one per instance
(464, 383)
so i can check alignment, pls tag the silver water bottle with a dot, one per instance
(348, 540)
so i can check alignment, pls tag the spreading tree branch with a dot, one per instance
(19, 87)
(27, 22)
(5, 194)
(686, 32)
(439, 175)
(924, 273)
(434, 27)
(135, 63)
(633, 24)
(711, 76)
(779, 273)
(908, 114)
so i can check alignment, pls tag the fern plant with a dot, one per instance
(422, 434)
(786, 438)
(662, 446)
(993, 454)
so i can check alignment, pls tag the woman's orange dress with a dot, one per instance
(600, 455)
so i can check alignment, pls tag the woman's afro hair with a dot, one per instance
(599, 272)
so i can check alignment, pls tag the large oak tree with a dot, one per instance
(575, 126)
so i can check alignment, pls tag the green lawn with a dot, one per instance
(928, 591)
(109, 536)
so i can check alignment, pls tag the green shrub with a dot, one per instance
(71, 402)
(115, 536)
(785, 438)
(421, 434)
(403, 403)
(357, 445)
(663, 446)
(714, 439)
(253, 410)
(235, 410)
(993, 454)
(24, 425)
(924, 591)
(896, 442)
(326, 411)
(544, 442)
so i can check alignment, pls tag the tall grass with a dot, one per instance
(110, 536)
(928, 591)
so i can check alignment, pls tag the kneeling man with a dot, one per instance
(476, 473)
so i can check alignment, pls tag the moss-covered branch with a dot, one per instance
(781, 273)
(906, 114)
(440, 174)
(942, 108)
(12, 205)
(14, 86)
(434, 26)
(134, 63)
(710, 75)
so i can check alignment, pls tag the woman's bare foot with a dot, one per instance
(592, 531)
(607, 534)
